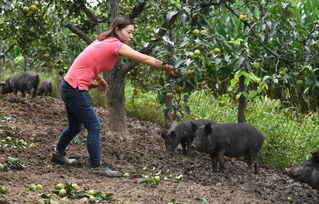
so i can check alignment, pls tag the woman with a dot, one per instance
(99, 56)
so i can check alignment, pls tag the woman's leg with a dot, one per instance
(69, 132)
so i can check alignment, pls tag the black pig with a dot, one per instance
(25, 82)
(45, 88)
(231, 140)
(181, 133)
(308, 171)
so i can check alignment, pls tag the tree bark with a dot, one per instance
(115, 99)
(241, 100)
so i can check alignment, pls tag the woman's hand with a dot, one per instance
(101, 84)
(170, 69)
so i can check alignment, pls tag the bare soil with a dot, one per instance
(43, 119)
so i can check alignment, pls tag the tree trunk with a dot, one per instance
(241, 101)
(115, 100)
(1, 56)
(25, 65)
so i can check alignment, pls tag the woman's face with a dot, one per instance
(126, 34)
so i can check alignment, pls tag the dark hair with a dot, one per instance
(118, 22)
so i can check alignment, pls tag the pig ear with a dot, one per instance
(173, 135)
(208, 128)
(194, 127)
(163, 135)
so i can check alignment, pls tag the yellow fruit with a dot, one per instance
(91, 192)
(157, 178)
(190, 72)
(3, 190)
(197, 52)
(217, 51)
(178, 114)
(196, 32)
(62, 193)
(255, 65)
(36, 3)
(126, 175)
(33, 7)
(75, 186)
(59, 186)
(39, 187)
(32, 187)
(243, 17)
(9, 139)
(25, 9)
(2, 166)
(203, 32)
(170, 95)
(300, 82)
(191, 55)
(91, 198)
(296, 74)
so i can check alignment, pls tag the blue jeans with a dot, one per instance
(80, 111)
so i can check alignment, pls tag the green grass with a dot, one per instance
(289, 136)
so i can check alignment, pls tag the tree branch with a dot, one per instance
(89, 14)
(137, 10)
(5, 52)
(78, 31)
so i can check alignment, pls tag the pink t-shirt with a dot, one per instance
(99, 56)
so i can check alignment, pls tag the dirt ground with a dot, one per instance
(41, 120)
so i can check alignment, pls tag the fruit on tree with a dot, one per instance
(191, 55)
(243, 17)
(300, 82)
(197, 52)
(217, 51)
(170, 95)
(196, 32)
(33, 7)
(255, 65)
(203, 32)
(36, 3)
(25, 10)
